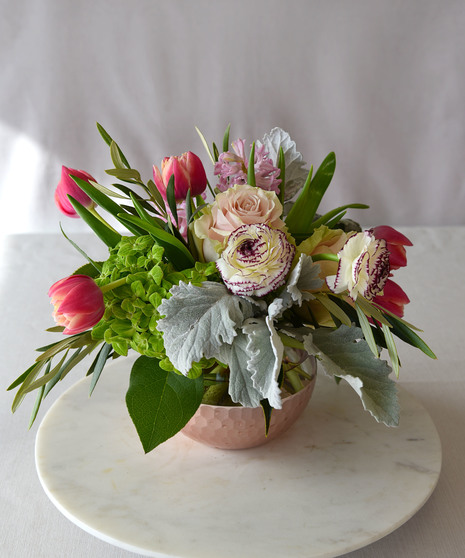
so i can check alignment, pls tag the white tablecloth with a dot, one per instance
(30, 526)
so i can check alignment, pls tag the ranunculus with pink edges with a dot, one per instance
(67, 187)
(78, 303)
(189, 174)
(240, 205)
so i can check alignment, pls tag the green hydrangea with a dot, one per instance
(131, 316)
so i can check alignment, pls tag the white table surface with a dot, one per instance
(30, 526)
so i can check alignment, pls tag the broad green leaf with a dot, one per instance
(226, 138)
(104, 202)
(160, 403)
(251, 169)
(199, 320)
(175, 250)
(300, 217)
(106, 235)
(345, 354)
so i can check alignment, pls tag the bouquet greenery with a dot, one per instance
(225, 301)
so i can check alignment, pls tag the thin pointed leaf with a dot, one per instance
(115, 156)
(226, 138)
(100, 362)
(127, 175)
(333, 308)
(171, 199)
(140, 210)
(251, 169)
(21, 393)
(334, 212)
(20, 379)
(188, 206)
(107, 191)
(281, 164)
(90, 260)
(267, 412)
(49, 375)
(216, 153)
(392, 349)
(408, 336)
(106, 235)
(106, 137)
(331, 224)
(205, 144)
(366, 329)
(36, 407)
(155, 194)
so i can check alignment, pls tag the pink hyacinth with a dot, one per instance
(78, 303)
(231, 168)
(67, 187)
(189, 174)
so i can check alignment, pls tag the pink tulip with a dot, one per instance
(67, 186)
(395, 244)
(78, 303)
(393, 298)
(189, 174)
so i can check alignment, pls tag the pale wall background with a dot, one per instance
(382, 83)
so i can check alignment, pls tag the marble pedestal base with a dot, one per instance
(335, 482)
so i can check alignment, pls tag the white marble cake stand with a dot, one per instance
(335, 482)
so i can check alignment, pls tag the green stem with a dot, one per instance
(101, 219)
(113, 285)
(294, 380)
(291, 342)
(328, 257)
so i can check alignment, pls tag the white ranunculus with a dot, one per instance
(256, 260)
(363, 267)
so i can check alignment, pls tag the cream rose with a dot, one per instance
(256, 260)
(240, 205)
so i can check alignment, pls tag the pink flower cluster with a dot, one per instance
(231, 168)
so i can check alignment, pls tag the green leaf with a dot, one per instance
(333, 308)
(226, 138)
(97, 267)
(33, 372)
(107, 191)
(251, 169)
(20, 379)
(127, 175)
(35, 409)
(143, 213)
(408, 336)
(106, 235)
(216, 152)
(106, 137)
(300, 217)
(367, 331)
(116, 156)
(160, 403)
(104, 202)
(175, 250)
(327, 217)
(98, 365)
(205, 144)
(392, 349)
(170, 197)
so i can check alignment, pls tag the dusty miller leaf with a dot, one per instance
(199, 320)
(346, 355)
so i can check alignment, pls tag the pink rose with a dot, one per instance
(189, 174)
(240, 205)
(67, 187)
(78, 303)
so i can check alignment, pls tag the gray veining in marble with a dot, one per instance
(335, 482)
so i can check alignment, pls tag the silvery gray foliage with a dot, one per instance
(266, 354)
(296, 174)
(208, 321)
(199, 320)
(345, 354)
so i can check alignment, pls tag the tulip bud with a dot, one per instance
(78, 303)
(395, 244)
(67, 186)
(189, 174)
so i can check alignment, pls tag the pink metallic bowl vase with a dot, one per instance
(244, 427)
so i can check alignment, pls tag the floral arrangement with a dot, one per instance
(225, 301)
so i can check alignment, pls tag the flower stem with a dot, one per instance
(328, 257)
(101, 219)
(113, 285)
